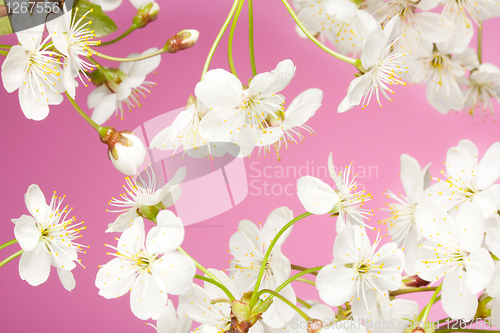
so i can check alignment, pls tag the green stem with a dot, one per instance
(304, 303)
(250, 37)
(425, 312)
(4, 245)
(218, 38)
(15, 255)
(348, 60)
(231, 36)
(296, 276)
(301, 268)
(5, 46)
(102, 69)
(125, 34)
(480, 42)
(220, 285)
(312, 283)
(290, 304)
(411, 290)
(203, 269)
(4, 53)
(473, 330)
(268, 253)
(142, 57)
(90, 121)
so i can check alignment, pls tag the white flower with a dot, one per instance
(402, 222)
(358, 272)
(432, 64)
(32, 69)
(129, 156)
(286, 127)
(141, 268)
(197, 302)
(393, 314)
(469, 181)
(453, 250)
(415, 25)
(340, 21)
(72, 38)
(492, 237)
(319, 198)
(144, 194)
(171, 321)
(184, 131)
(130, 85)
(482, 85)
(382, 67)
(248, 247)
(478, 11)
(47, 239)
(236, 112)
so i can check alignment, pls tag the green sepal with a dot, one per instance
(5, 26)
(102, 24)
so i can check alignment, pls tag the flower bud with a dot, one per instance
(314, 325)
(181, 41)
(240, 310)
(145, 14)
(414, 281)
(126, 151)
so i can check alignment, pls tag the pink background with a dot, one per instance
(63, 153)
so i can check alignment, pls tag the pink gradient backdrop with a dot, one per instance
(63, 153)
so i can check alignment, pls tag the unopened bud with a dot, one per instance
(240, 310)
(125, 150)
(181, 41)
(413, 281)
(313, 325)
(145, 14)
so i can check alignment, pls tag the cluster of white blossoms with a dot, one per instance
(449, 230)
(445, 238)
(403, 41)
(250, 116)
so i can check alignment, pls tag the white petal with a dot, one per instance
(488, 199)
(493, 289)
(115, 278)
(167, 322)
(146, 298)
(104, 108)
(303, 107)
(480, 268)
(280, 313)
(67, 279)
(219, 88)
(34, 265)
(411, 178)
(27, 233)
(123, 221)
(458, 301)
(343, 10)
(97, 95)
(36, 204)
(316, 196)
(146, 66)
(488, 170)
(167, 236)
(274, 81)
(177, 270)
(470, 225)
(14, 68)
(336, 284)
(274, 223)
(132, 239)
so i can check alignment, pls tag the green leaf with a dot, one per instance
(5, 27)
(102, 24)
